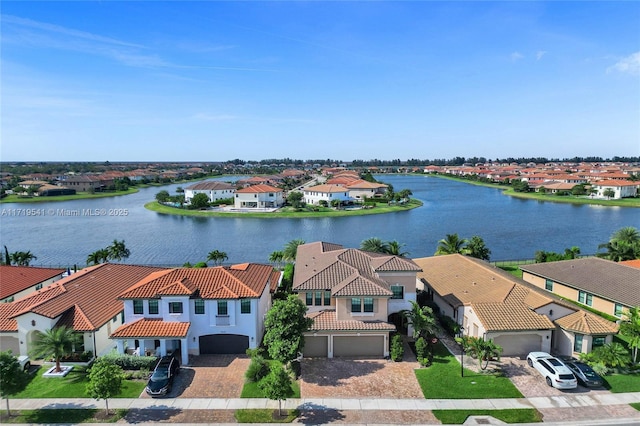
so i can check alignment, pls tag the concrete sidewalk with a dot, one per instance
(564, 401)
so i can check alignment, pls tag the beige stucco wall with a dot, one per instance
(343, 310)
(315, 308)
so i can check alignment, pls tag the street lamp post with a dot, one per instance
(461, 351)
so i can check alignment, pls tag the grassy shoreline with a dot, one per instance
(379, 209)
(77, 196)
(568, 199)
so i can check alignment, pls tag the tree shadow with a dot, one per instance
(315, 414)
(331, 372)
(160, 413)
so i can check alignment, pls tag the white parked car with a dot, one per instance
(553, 370)
(24, 362)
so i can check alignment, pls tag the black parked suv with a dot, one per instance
(163, 375)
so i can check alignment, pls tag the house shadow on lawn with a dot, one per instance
(331, 372)
(314, 414)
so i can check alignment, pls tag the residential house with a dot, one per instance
(361, 189)
(353, 297)
(601, 284)
(491, 303)
(197, 311)
(85, 301)
(620, 188)
(259, 197)
(87, 183)
(213, 189)
(326, 192)
(19, 281)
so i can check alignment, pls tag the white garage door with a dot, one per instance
(364, 346)
(8, 342)
(316, 346)
(519, 344)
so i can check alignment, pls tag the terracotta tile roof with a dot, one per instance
(152, 328)
(615, 183)
(210, 185)
(363, 184)
(326, 266)
(326, 188)
(582, 322)
(258, 189)
(221, 282)
(604, 278)
(91, 294)
(14, 279)
(633, 263)
(274, 280)
(326, 321)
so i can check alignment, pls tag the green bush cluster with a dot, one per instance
(422, 352)
(128, 362)
(397, 348)
(258, 368)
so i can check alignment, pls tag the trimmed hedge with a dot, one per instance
(129, 362)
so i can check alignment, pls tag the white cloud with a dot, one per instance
(540, 54)
(516, 56)
(629, 65)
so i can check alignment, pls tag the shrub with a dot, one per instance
(422, 351)
(397, 348)
(129, 362)
(258, 368)
(452, 328)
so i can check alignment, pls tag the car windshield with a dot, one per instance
(160, 375)
(566, 376)
(587, 371)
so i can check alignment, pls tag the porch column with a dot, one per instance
(120, 345)
(163, 348)
(184, 351)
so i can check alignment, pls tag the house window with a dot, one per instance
(222, 307)
(577, 343)
(398, 292)
(245, 306)
(153, 307)
(598, 341)
(368, 304)
(356, 305)
(39, 286)
(585, 298)
(548, 285)
(327, 298)
(175, 307)
(318, 298)
(309, 298)
(617, 310)
(114, 319)
(138, 308)
(198, 306)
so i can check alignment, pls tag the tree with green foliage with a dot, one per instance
(579, 190)
(422, 352)
(519, 185)
(285, 325)
(118, 250)
(630, 328)
(421, 320)
(105, 380)
(375, 245)
(397, 348)
(624, 244)
(291, 249)
(199, 201)
(295, 199)
(542, 256)
(482, 350)
(609, 193)
(163, 196)
(395, 248)
(7, 257)
(97, 257)
(276, 257)
(21, 258)
(451, 244)
(476, 247)
(277, 385)
(55, 343)
(217, 257)
(13, 378)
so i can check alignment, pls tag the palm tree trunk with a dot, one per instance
(58, 369)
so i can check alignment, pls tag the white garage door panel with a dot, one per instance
(8, 342)
(519, 344)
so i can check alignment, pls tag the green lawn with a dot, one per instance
(265, 416)
(635, 405)
(458, 417)
(513, 270)
(77, 196)
(63, 415)
(71, 386)
(442, 380)
(252, 389)
(618, 383)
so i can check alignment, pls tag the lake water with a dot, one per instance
(512, 228)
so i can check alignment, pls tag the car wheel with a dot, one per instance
(27, 366)
(529, 362)
(549, 382)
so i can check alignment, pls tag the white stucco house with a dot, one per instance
(620, 188)
(326, 192)
(20, 281)
(86, 301)
(213, 189)
(196, 311)
(258, 197)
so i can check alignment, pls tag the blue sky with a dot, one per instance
(214, 81)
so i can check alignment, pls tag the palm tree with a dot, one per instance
(276, 258)
(55, 342)
(483, 350)
(612, 355)
(290, 250)
(375, 245)
(451, 244)
(22, 258)
(7, 257)
(217, 257)
(118, 251)
(98, 256)
(628, 234)
(477, 248)
(395, 248)
(421, 319)
(630, 327)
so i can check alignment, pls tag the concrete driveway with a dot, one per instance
(210, 376)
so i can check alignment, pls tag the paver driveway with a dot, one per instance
(210, 376)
